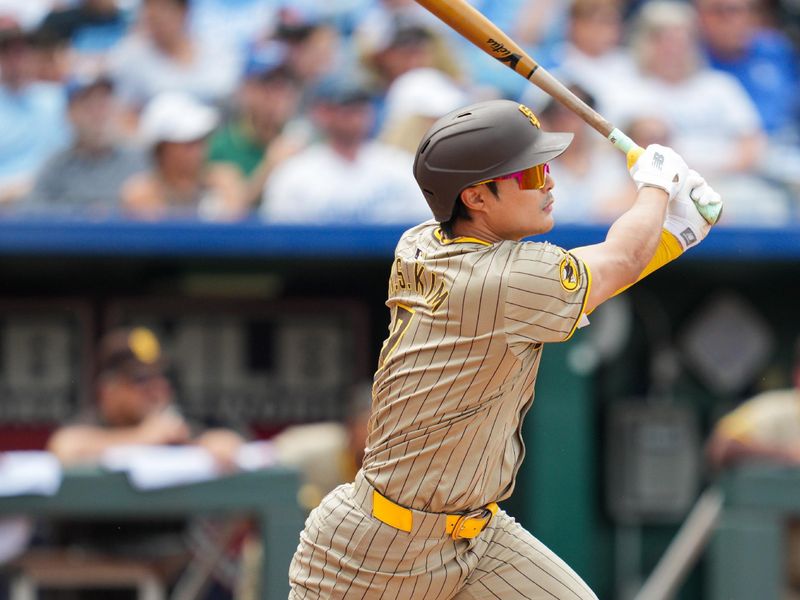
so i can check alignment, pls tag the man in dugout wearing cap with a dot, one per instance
(135, 404)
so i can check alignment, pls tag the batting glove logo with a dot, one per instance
(658, 161)
(689, 237)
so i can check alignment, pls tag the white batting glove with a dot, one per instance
(683, 219)
(660, 167)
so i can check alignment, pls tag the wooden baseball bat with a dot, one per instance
(470, 23)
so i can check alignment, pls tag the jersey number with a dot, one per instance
(402, 319)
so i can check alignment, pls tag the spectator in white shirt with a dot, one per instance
(713, 122)
(346, 178)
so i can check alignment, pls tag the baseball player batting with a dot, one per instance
(471, 309)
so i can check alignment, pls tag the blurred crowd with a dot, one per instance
(303, 111)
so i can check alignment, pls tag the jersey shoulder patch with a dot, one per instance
(569, 273)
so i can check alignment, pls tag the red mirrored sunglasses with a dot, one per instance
(533, 178)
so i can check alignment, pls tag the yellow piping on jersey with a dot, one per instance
(459, 240)
(585, 300)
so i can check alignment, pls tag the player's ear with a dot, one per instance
(474, 198)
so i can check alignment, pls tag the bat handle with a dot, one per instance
(633, 151)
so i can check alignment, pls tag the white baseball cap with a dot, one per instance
(423, 92)
(176, 117)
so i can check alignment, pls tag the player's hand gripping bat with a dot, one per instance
(479, 30)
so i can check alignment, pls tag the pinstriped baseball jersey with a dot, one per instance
(457, 372)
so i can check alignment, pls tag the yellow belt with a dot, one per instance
(457, 526)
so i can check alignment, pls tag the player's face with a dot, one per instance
(128, 400)
(520, 212)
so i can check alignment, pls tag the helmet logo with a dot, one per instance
(531, 117)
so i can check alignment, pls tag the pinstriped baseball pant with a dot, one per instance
(344, 552)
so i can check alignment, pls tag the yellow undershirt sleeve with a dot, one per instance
(669, 248)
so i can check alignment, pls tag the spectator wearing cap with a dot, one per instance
(181, 183)
(593, 179)
(346, 177)
(313, 47)
(135, 405)
(32, 114)
(90, 28)
(401, 45)
(161, 55)
(86, 178)
(414, 102)
(255, 139)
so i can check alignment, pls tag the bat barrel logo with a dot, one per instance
(503, 54)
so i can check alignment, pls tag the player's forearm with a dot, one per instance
(630, 244)
(668, 249)
(637, 232)
(631, 241)
(80, 444)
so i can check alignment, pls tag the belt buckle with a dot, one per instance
(479, 513)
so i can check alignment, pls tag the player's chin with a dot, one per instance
(548, 220)
(544, 225)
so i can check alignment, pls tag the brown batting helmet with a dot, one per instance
(479, 142)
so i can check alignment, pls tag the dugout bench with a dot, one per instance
(270, 496)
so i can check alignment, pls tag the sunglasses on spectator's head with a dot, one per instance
(533, 178)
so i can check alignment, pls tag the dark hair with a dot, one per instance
(181, 3)
(460, 211)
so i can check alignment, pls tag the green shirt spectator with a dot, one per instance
(255, 139)
(235, 144)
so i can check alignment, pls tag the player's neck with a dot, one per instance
(475, 228)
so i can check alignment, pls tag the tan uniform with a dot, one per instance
(455, 379)
(771, 418)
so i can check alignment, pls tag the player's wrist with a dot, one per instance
(683, 218)
(686, 233)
